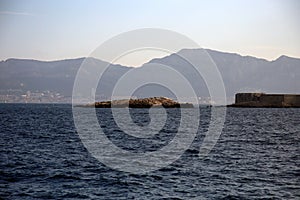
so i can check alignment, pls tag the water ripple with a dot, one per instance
(42, 157)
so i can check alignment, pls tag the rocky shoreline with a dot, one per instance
(141, 103)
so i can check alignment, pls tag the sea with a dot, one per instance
(42, 156)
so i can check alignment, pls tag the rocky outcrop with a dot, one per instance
(141, 103)
(266, 100)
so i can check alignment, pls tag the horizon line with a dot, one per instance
(84, 57)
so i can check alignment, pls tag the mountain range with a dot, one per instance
(239, 74)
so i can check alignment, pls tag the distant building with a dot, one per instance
(266, 100)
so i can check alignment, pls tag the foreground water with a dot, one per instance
(256, 157)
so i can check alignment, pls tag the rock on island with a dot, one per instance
(141, 103)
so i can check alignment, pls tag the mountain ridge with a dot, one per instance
(207, 49)
(240, 73)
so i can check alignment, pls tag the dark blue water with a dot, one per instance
(256, 157)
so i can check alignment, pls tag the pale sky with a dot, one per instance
(57, 29)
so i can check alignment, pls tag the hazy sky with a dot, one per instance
(50, 29)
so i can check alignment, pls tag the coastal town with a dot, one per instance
(20, 96)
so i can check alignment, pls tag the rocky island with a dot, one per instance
(262, 100)
(141, 103)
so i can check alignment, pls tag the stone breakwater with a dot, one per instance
(266, 100)
(141, 103)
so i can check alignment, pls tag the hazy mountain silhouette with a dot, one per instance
(57, 76)
(240, 73)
